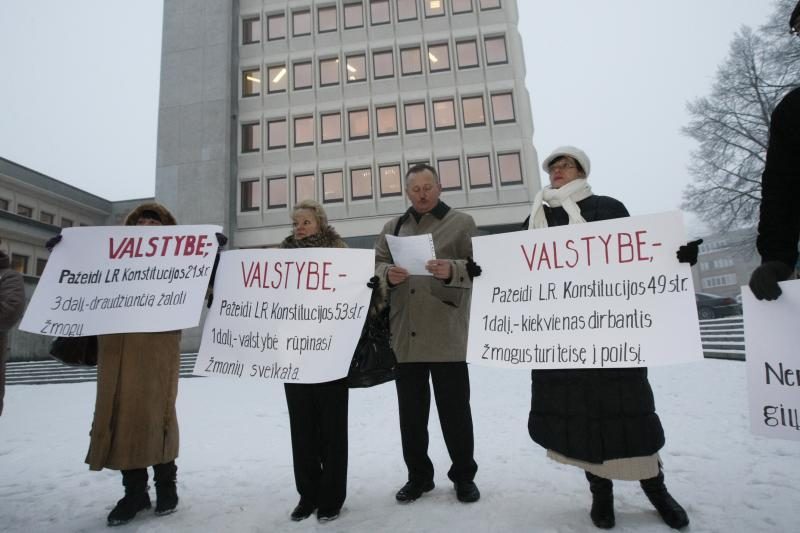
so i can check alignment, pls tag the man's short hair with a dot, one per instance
(421, 167)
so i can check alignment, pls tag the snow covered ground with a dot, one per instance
(235, 471)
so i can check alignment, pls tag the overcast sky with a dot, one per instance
(79, 89)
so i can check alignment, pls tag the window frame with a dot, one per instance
(245, 82)
(324, 175)
(510, 95)
(247, 22)
(464, 111)
(426, 3)
(446, 46)
(372, 14)
(344, 13)
(44, 214)
(406, 105)
(498, 6)
(371, 184)
(26, 208)
(500, 180)
(309, 118)
(452, 102)
(270, 180)
(416, 10)
(489, 166)
(376, 53)
(396, 131)
(402, 64)
(269, 133)
(302, 63)
(276, 16)
(363, 57)
(313, 177)
(460, 173)
(337, 62)
(252, 208)
(399, 180)
(453, 8)
(322, 117)
(326, 8)
(246, 125)
(474, 43)
(350, 113)
(270, 78)
(488, 38)
(302, 11)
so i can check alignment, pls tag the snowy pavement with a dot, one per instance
(235, 471)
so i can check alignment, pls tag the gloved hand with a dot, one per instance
(473, 269)
(764, 279)
(52, 241)
(222, 240)
(373, 282)
(209, 299)
(688, 252)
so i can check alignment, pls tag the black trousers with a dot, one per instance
(451, 390)
(318, 422)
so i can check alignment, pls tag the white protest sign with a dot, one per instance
(118, 279)
(290, 315)
(772, 341)
(596, 295)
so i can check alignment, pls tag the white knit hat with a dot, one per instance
(571, 151)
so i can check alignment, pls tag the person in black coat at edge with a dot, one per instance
(603, 421)
(779, 221)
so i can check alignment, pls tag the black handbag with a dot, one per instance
(373, 361)
(75, 351)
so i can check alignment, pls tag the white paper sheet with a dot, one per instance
(412, 252)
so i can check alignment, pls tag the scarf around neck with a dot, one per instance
(326, 238)
(567, 197)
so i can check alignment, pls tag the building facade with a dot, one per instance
(265, 103)
(725, 262)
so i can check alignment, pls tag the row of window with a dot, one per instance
(21, 262)
(330, 71)
(722, 262)
(415, 117)
(44, 216)
(331, 187)
(718, 281)
(353, 17)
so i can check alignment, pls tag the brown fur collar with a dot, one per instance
(167, 218)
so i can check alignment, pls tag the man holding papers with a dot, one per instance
(429, 321)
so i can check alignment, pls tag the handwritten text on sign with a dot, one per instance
(116, 279)
(773, 362)
(596, 295)
(286, 315)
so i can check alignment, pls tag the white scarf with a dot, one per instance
(567, 197)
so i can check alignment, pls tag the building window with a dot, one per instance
(510, 168)
(415, 117)
(276, 27)
(495, 50)
(472, 107)
(303, 75)
(502, 108)
(461, 6)
(480, 174)
(444, 114)
(251, 82)
(277, 196)
(411, 61)
(251, 30)
(390, 180)
(304, 188)
(361, 183)
(250, 196)
(353, 16)
(438, 57)
(326, 19)
(19, 263)
(66, 223)
(329, 71)
(40, 264)
(24, 211)
(332, 190)
(489, 4)
(467, 54)
(3, 204)
(386, 118)
(379, 12)
(356, 68)
(434, 8)
(251, 137)
(303, 131)
(382, 64)
(331, 125)
(358, 122)
(301, 23)
(277, 79)
(47, 218)
(449, 174)
(406, 10)
(277, 134)
(718, 281)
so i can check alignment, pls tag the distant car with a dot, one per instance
(713, 306)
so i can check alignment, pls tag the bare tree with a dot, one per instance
(731, 125)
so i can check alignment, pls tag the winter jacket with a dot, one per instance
(594, 415)
(430, 317)
(779, 222)
(12, 304)
(135, 424)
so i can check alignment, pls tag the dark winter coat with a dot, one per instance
(779, 222)
(12, 304)
(594, 415)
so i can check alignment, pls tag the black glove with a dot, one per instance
(764, 279)
(373, 282)
(473, 269)
(222, 240)
(209, 299)
(52, 241)
(688, 252)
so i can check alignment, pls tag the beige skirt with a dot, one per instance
(628, 469)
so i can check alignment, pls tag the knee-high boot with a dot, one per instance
(602, 501)
(671, 511)
(135, 499)
(165, 476)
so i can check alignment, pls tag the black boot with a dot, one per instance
(136, 497)
(671, 511)
(602, 501)
(166, 491)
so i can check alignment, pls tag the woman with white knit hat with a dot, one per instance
(602, 421)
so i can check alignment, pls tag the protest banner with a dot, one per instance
(772, 355)
(597, 295)
(119, 279)
(291, 315)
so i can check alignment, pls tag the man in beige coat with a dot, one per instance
(429, 321)
(12, 304)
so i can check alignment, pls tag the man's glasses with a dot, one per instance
(560, 166)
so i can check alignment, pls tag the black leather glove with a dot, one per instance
(473, 269)
(222, 240)
(688, 252)
(373, 282)
(52, 241)
(764, 279)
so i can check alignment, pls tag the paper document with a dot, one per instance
(412, 253)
